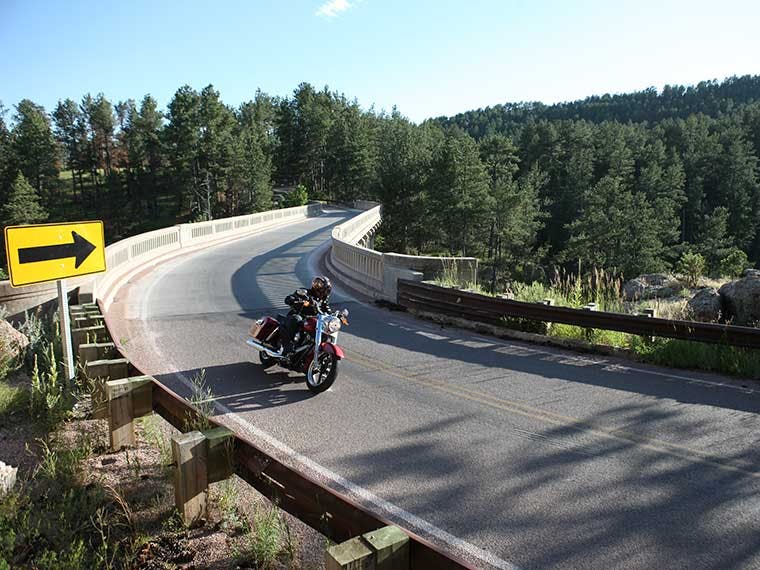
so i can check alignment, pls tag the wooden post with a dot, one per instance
(122, 395)
(84, 310)
(201, 459)
(190, 476)
(590, 331)
(80, 322)
(83, 335)
(548, 303)
(386, 548)
(220, 452)
(92, 351)
(353, 554)
(391, 546)
(650, 313)
(100, 371)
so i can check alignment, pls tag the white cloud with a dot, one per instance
(332, 8)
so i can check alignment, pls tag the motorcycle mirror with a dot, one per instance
(344, 313)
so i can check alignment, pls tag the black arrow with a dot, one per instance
(80, 249)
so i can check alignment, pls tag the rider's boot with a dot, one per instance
(289, 347)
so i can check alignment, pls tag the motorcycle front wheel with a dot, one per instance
(322, 374)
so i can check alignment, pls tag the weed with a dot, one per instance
(156, 437)
(687, 354)
(265, 543)
(202, 399)
(229, 503)
(13, 399)
(133, 463)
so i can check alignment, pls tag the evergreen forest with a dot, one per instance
(629, 183)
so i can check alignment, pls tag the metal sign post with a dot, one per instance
(65, 324)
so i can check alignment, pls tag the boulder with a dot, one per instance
(741, 299)
(652, 286)
(12, 342)
(706, 306)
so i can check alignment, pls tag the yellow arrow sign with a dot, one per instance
(47, 252)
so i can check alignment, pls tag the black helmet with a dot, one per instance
(321, 287)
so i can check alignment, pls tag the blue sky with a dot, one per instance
(428, 58)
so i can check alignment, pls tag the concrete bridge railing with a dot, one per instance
(376, 274)
(129, 256)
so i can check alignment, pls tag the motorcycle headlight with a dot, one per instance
(333, 325)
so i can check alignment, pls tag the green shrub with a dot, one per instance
(691, 266)
(298, 197)
(687, 354)
(733, 264)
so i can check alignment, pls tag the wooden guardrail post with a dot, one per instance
(92, 351)
(589, 332)
(100, 371)
(547, 324)
(200, 459)
(97, 333)
(650, 313)
(80, 322)
(128, 398)
(386, 548)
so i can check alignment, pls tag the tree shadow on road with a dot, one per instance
(558, 498)
(398, 331)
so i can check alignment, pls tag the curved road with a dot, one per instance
(513, 455)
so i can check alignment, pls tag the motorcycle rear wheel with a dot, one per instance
(320, 378)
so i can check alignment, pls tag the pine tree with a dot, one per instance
(459, 188)
(23, 204)
(35, 153)
(253, 170)
(616, 231)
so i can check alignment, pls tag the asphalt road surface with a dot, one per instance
(513, 455)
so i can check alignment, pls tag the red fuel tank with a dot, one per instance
(310, 325)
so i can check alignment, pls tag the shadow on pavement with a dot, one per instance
(247, 386)
(550, 508)
(404, 332)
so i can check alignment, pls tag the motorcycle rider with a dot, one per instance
(304, 303)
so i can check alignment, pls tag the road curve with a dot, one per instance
(514, 455)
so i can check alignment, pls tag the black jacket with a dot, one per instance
(296, 303)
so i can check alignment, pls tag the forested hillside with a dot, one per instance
(628, 183)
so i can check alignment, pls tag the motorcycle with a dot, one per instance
(316, 352)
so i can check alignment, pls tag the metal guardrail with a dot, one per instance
(463, 304)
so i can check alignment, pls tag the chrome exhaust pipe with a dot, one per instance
(252, 342)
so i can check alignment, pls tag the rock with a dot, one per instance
(7, 477)
(652, 286)
(741, 299)
(11, 341)
(706, 306)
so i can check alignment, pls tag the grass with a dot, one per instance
(268, 541)
(606, 291)
(202, 399)
(731, 360)
(156, 436)
(228, 500)
(13, 400)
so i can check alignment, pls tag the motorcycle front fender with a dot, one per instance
(331, 348)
